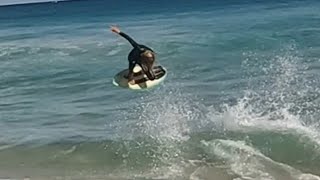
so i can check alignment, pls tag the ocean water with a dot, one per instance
(241, 100)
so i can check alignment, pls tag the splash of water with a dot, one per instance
(278, 101)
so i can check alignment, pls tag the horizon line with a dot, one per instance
(32, 2)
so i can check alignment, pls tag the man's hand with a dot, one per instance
(132, 82)
(115, 29)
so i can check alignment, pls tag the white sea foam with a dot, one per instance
(248, 163)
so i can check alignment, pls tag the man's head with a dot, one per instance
(147, 60)
(148, 55)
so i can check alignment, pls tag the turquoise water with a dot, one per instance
(241, 99)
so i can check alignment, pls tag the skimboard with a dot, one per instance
(141, 79)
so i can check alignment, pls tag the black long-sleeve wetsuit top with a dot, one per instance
(134, 57)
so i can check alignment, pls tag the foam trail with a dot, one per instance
(248, 163)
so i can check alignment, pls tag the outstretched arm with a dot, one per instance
(127, 37)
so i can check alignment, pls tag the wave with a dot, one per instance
(248, 163)
(204, 155)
